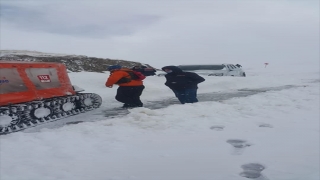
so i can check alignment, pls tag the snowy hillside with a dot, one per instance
(263, 127)
(75, 63)
(30, 53)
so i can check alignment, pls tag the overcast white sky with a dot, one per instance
(166, 32)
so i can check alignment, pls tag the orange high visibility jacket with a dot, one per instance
(116, 75)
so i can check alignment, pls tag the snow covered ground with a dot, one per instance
(271, 135)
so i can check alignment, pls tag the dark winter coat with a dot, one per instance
(178, 79)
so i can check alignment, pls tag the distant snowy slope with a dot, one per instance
(30, 53)
(75, 63)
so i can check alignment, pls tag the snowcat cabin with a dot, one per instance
(28, 81)
(33, 93)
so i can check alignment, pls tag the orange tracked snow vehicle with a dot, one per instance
(33, 93)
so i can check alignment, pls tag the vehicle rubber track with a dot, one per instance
(18, 117)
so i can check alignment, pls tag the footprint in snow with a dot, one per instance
(238, 145)
(253, 171)
(217, 128)
(266, 125)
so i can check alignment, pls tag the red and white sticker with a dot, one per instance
(44, 78)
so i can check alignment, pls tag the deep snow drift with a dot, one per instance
(272, 134)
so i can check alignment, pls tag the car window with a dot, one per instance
(233, 66)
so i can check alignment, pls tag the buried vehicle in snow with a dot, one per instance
(33, 93)
(213, 70)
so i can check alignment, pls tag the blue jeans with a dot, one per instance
(186, 95)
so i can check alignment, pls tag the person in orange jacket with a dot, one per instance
(129, 90)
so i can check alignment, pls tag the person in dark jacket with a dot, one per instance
(129, 91)
(183, 84)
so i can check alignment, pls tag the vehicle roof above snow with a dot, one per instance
(215, 69)
(208, 66)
